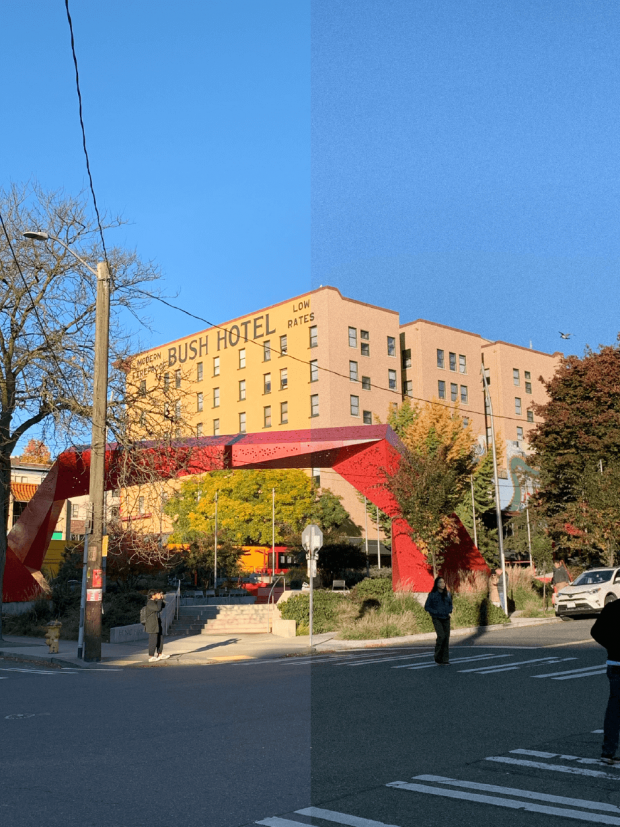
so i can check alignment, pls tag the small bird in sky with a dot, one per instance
(565, 335)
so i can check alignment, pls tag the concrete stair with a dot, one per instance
(224, 620)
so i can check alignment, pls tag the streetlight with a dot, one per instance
(498, 508)
(94, 566)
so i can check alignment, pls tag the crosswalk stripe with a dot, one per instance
(490, 670)
(30, 671)
(535, 754)
(280, 822)
(504, 759)
(343, 818)
(548, 660)
(581, 675)
(384, 660)
(511, 803)
(536, 796)
(584, 669)
(456, 660)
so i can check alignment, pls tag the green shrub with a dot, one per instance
(470, 611)
(328, 609)
(378, 588)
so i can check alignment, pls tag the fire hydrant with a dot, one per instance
(52, 636)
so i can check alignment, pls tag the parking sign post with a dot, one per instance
(312, 541)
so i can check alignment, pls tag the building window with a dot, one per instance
(216, 427)
(283, 379)
(314, 371)
(142, 387)
(140, 505)
(353, 371)
(199, 369)
(242, 358)
(440, 359)
(199, 429)
(519, 433)
(454, 392)
(391, 343)
(408, 390)
(314, 337)
(314, 404)
(267, 383)
(142, 419)
(462, 364)
(283, 413)
(392, 380)
(283, 345)
(177, 410)
(241, 390)
(406, 357)
(367, 417)
(365, 335)
(489, 435)
(365, 349)
(441, 389)
(166, 381)
(216, 365)
(199, 401)
(465, 421)
(355, 406)
(242, 423)
(177, 379)
(518, 405)
(216, 397)
(177, 433)
(528, 387)
(316, 477)
(464, 395)
(365, 383)
(515, 377)
(452, 357)
(267, 416)
(266, 351)
(167, 411)
(530, 416)
(353, 337)
(528, 375)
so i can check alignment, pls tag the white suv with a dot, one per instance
(592, 590)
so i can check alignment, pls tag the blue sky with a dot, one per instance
(457, 160)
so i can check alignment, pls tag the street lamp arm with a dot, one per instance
(36, 236)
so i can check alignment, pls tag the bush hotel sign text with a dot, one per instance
(256, 327)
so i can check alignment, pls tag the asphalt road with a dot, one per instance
(350, 734)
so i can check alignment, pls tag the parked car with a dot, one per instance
(587, 595)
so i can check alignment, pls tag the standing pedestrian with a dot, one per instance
(560, 578)
(439, 606)
(153, 626)
(606, 631)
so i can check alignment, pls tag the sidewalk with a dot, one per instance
(212, 649)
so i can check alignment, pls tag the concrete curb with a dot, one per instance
(465, 630)
(59, 662)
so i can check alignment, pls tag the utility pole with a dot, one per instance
(215, 547)
(273, 534)
(529, 535)
(378, 545)
(473, 508)
(94, 567)
(366, 538)
(498, 508)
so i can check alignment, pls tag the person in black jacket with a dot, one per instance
(606, 631)
(439, 606)
(153, 625)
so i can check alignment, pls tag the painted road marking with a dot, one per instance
(536, 796)
(535, 754)
(30, 671)
(511, 803)
(342, 818)
(456, 660)
(584, 670)
(280, 822)
(385, 660)
(515, 665)
(538, 765)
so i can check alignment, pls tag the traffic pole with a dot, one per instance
(94, 568)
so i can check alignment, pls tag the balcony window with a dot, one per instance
(216, 427)
(391, 346)
(452, 357)
(353, 371)
(355, 405)
(216, 365)
(241, 390)
(314, 404)
(440, 359)
(242, 423)
(199, 401)
(267, 383)
(518, 405)
(242, 358)
(454, 392)
(283, 345)
(515, 377)
(283, 413)
(266, 351)
(365, 383)
(283, 379)
(464, 395)
(267, 416)
(314, 370)
(462, 364)
(314, 336)
(441, 389)
(367, 417)
(353, 337)
(199, 372)
(216, 397)
(392, 380)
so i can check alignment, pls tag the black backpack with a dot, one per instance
(143, 615)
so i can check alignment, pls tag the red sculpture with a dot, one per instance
(363, 455)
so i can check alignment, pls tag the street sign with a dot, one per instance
(312, 538)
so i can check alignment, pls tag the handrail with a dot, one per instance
(279, 577)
